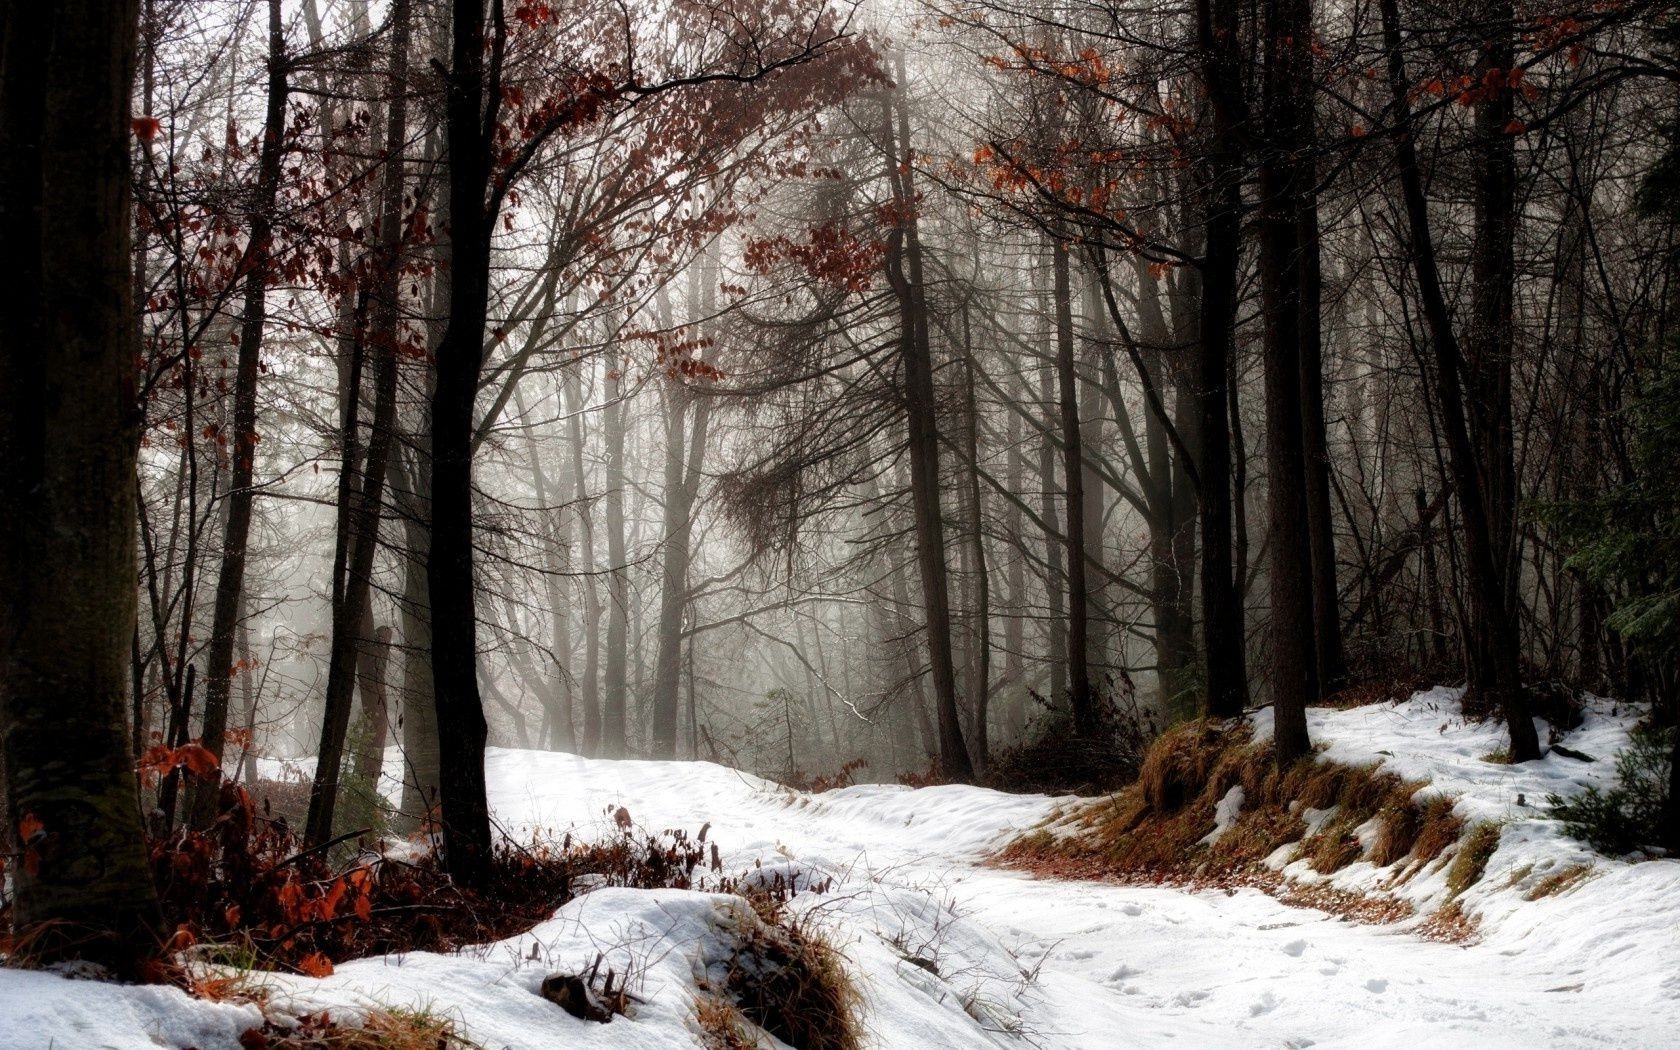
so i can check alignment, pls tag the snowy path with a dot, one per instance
(952, 955)
(1131, 966)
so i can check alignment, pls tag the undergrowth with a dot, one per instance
(1164, 828)
(1629, 814)
(785, 978)
(385, 1029)
(1053, 758)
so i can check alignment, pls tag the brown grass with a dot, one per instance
(1561, 881)
(379, 1030)
(786, 979)
(721, 1025)
(1451, 924)
(1471, 860)
(1152, 831)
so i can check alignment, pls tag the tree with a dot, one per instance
(1285, 183)
(257, 266)
(904, 274)
(68, 446)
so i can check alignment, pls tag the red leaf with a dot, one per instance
(30, 829)
(315, 965)
(145, 128)
(199, 760)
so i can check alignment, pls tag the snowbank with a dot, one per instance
(949, 953)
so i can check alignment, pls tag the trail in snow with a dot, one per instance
(951, 953)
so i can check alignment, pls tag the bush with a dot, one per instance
(1629, 815)
(787, 979)
(1052, 758)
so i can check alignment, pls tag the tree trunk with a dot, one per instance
(1218, 25)
(1073, 479)
(614, 711)
(904, 274)
(1487, 592)
(460, 356)
(352, 591)
(419, 710)
(590, 693)
(230, 582)
(1283, 183)
(1487, 345)
(681, 482)
(1330, 671)
(68, 445)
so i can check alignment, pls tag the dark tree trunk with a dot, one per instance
(1487, 592)
(460, 356)
(1284, 184)
(230, 583)
(980, 636)
(904, 274)
(359, 536)
(68, 445)
(1055, 549)
(1080, 701)
(1330, 669)
(1488, 343)
(1218, 25)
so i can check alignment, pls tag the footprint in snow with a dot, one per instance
(1268, 1002)
(1295, 948)
(1376, 984)
(1191, 998)
(1133, 909)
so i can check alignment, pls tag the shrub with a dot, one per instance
(786, 979)
(1053, 759)
(1629, 814)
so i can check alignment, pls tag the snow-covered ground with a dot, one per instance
(950, 953)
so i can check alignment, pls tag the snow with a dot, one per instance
(948, 952)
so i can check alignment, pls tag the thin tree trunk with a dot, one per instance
(904, 273)
(681, 480)
(1073, 479)
(614, 712)
(230, 582)
(591, 677)
(1487, 592)
(366, 485)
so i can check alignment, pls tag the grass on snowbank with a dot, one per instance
(1211, 807)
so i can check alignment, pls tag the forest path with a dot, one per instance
(1111, 965)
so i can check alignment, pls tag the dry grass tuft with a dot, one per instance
(1451, 924)
(1438, 828)
(721, 1025)
(1561, 881)
(391, 1029)
(786, 979)
(1472, 858)
(1154, 831)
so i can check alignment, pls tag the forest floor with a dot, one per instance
(949, 951)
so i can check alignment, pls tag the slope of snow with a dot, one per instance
(949, 953)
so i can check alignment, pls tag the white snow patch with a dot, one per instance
(949, 953)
